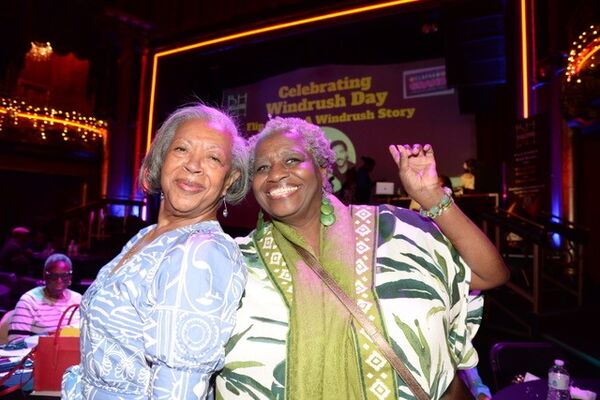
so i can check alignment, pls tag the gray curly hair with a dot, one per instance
(149, 178)
(56, 257)
(315, 142)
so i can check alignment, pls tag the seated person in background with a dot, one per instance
(364, 183)
(467, 179)
(38, 311)
(40, 246)
(14, 254)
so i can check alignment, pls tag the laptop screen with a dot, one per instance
(384, 188)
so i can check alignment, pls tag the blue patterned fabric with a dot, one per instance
(157, 327)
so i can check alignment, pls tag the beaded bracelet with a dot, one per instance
(440, 207)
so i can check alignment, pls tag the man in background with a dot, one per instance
(343, 179)
(364, 183)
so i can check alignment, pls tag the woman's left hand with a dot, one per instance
(418, 173)
(416, 167)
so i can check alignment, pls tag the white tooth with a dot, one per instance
(283, 190)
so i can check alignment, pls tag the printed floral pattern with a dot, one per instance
(421, 290)
(157, 327)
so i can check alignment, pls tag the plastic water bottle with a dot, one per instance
(558, 382)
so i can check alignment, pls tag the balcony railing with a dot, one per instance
(545, 256)
(100, 219)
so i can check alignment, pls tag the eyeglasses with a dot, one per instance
(54, 277)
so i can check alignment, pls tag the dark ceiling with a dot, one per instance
(102, 31)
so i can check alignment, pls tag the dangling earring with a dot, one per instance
(162, 195)
(327, 211)
(225, 212)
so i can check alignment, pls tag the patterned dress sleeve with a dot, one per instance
(194, 296)
(466, 313)
(432, 268)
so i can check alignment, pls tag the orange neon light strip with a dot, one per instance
(582, 61)
(524, 60)
(253, 32)
(100, 131)
(139, 129)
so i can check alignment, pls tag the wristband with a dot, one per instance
(440, 207)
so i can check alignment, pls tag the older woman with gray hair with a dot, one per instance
(398, 273)
(38, 311)
(156, 319)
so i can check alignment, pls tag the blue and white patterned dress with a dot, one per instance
(157, 327)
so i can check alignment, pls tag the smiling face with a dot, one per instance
(57, 277)
(287, 183)
(197, 171)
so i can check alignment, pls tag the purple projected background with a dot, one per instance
(372, 106)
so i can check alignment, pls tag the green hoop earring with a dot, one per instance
(327, 212)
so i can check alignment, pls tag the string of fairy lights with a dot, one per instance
(73, 126)
(582, 55)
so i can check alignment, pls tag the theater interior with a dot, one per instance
(513, 84)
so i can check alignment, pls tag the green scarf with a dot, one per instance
(322, 361)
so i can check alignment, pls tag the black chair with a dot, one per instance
(8, 278)
(511, 359)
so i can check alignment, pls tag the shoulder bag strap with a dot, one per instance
(72, 308)
(367, 325)
(18, 367)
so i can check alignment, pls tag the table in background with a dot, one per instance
(44, 395)
(538, 389)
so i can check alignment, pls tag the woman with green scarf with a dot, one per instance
(411, 277)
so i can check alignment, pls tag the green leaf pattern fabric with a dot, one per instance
(422, 292)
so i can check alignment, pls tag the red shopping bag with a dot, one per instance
(53, 355)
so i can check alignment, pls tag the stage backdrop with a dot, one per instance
(368, 107)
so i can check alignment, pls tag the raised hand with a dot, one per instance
(417, 171)
(416, 167)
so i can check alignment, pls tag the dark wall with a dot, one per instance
(37, 200)
(588, 193)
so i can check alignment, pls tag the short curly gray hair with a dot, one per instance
(149, 178)
(315, 141)
(56, 257)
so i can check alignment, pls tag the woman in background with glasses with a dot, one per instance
(39, 310)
